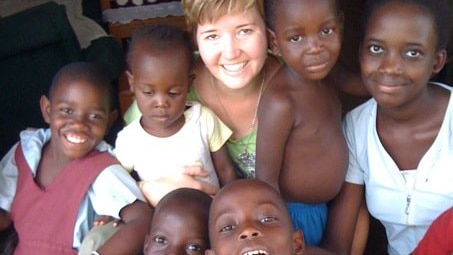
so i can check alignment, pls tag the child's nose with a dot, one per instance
(160, 101)
(249, 233)
(314, 45)
(176, 251)
(391, 64)
(80, 120)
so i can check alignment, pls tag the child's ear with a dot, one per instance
(340, 17)
(439, 61)
(298, 242)
(191, 78)
(44, 103)
(209, 252)
(130, 79)
(112, 118)
(273, 42)
(146, 246)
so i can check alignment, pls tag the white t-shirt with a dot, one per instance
(405, 213)
(153, 157)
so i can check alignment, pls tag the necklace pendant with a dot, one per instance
(248, 161)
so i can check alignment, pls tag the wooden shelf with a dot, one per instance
(124, 31)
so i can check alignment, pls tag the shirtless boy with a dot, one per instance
(301, 150)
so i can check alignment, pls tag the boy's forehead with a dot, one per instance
(66, 83)
(289, 3)
(243, 192)
(68, 89)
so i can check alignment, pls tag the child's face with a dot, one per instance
(78, 115)
(249, 218)
(307, 34)
(234, 47)
(177, 230)
(160, 83)
(398, 54)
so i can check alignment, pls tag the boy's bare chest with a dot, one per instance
(316, 108)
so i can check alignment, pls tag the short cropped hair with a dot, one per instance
(270, 8)
(160, 38)
(440, 11)
(202, 11)
(89, 72)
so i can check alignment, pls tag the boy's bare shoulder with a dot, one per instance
(281, 83)
(278, 91)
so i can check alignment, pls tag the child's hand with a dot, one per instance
(5, 220)
(103, 219)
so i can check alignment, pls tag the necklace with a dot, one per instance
(253, 122)
(244, 159)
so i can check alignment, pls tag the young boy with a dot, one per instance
(55, 181)
(180, 224)
(250, 217)
(171, 133)
(299, 116)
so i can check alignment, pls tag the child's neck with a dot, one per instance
(301, 79)
(163, 131)
(52, 162)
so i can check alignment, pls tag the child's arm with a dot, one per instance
(342, 219)
(5, 220)
(129, 239)
(224, 166)
(275, 122)
(348, 81)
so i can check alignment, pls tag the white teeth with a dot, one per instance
(256, 252)
(234, 67)
(75, 139)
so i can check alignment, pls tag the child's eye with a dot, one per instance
(268, 219)
(227, 228)
(174, 93)
(160, 239)
(375, 49)
(195, 248)
(95, 116)
(147, 92)
(413, 53)
(326, 31)
(66, 110)
(296, 38)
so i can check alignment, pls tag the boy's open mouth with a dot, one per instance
(256, 252)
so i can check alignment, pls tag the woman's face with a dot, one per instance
(234, 47)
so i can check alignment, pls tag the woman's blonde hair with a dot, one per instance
(202, 11)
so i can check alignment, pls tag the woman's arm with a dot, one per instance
(224, 166)
(154, 190)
